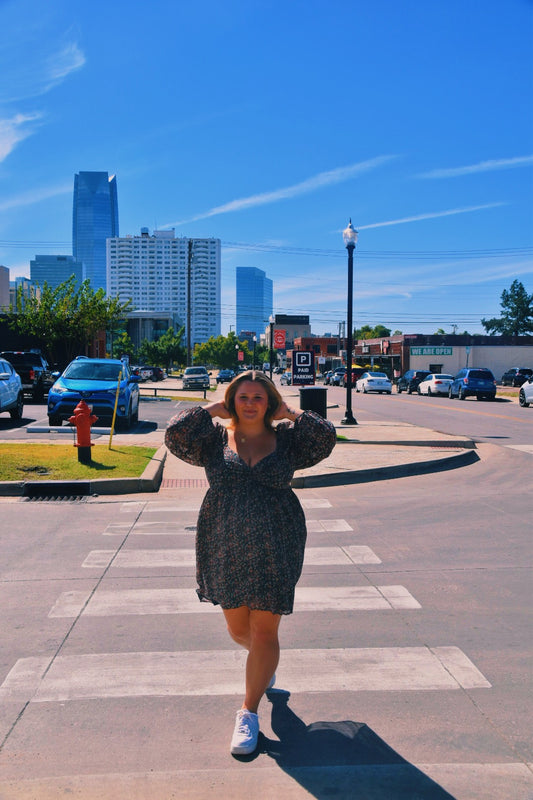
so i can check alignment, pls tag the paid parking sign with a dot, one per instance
(303, 368)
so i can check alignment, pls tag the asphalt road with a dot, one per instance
(405, 669)
(502, 421)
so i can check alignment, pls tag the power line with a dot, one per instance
(309, 251)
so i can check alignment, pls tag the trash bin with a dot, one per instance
(314, 398)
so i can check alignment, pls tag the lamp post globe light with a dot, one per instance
(255, 344)
(350, 239)
(271, 321)
(237, 358)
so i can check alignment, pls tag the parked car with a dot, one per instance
(33, 369)
(327, 377)
(225, 376)
(286, 378)
(95, 380)
(157, 374)
(473, 382)
(435, 383)
(337, 377)
(357, 372)
(525, 395)
(11, 392)
(373, 382)
(516, 376)
(196, 378)
(410, 380)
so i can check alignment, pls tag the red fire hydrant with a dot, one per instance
(83, 419)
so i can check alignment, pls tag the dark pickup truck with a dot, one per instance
(33, 369)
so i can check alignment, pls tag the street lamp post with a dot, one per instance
(350, 238)
(237, 357)
(255, 344)
(271, 321)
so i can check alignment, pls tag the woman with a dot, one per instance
(251, 528)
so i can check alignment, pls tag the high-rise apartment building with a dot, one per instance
(55, 270)
(160, 272)
(4, 288)
(94, 219)
(254, 300)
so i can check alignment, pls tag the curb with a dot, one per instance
(386, 473)
(149, 481)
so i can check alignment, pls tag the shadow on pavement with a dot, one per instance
(343, 759)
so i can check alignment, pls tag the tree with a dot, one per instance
(222, 351)
(170, 348)
(366, 332)
(123, 345)
(65, 319)
(517, 313)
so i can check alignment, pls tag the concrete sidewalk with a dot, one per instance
(368, 451)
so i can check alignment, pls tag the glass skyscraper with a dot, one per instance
(94, 219)
(54, 270)
(254, 300)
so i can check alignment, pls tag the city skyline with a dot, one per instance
(415, 121)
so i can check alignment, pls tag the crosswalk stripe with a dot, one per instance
(184, 601)
(169, 527)
(332, 525)
(161, 528)
(105, 675)
(314, 556)
(153, 507)
(394, 777)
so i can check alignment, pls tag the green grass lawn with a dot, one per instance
(55, 462)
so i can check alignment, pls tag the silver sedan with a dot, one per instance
(435, 383)
(374, 382)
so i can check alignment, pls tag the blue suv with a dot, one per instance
(473, 382)
(95, 380)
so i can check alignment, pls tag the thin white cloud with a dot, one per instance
(61, 64)
(432, 215)
(15, 130)
(483, 166)
(39, 72)
(329, 178)
(34, 196)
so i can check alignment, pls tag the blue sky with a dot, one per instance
(268, 124)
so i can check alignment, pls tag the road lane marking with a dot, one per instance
(524, 448)
(220, 672)
(105, 603)
(473, 780)
(310, 502)
(331, 525)
(127, 559)
(173, 526)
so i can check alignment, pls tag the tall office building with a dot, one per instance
(94, 219)
(4, 288)
(254, 300)
(159, 272)
(55, 270)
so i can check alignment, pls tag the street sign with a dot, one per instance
(303, 368)
(279, 339)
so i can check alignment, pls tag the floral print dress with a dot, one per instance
(251, 528)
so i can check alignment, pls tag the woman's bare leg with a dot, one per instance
(257, 632)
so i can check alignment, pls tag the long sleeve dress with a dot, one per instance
(251, 528)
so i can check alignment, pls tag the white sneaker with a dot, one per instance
(246, 732)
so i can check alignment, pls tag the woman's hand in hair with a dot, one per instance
(218, 410)
(285, 412)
